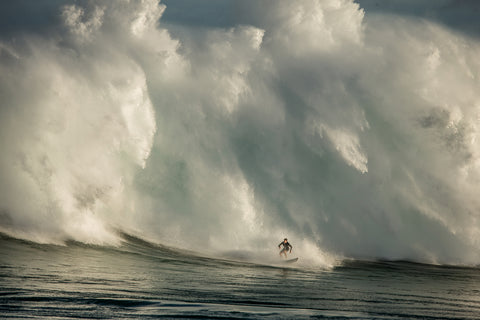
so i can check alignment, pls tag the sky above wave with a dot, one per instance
(34, 16)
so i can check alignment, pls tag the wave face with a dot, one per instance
(354, 134)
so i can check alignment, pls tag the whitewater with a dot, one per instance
(154, 154)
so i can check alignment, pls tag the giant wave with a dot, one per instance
(353, 134)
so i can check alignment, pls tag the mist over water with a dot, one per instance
(353, 134)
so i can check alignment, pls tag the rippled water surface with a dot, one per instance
(140, 280)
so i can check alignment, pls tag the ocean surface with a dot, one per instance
(141, 280)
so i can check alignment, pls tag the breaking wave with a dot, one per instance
(353, 134)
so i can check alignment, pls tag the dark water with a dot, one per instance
(143, 281)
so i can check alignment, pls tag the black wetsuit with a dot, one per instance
(286, 246)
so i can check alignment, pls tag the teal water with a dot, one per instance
(140, 280)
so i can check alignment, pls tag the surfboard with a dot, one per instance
(291, 260)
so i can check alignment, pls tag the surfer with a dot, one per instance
(286, 247)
